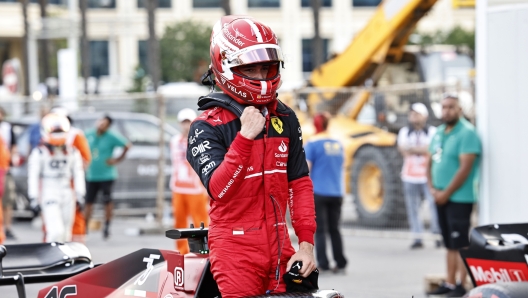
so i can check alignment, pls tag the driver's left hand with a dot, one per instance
(306, 256)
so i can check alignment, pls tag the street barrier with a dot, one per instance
(366, 120)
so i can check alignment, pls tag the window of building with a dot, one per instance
(101, 3)
(206, 4)
(99, 59)
(365, 3)
(307, 64)
(143, 54)
(161, 3)
(324, 3)
(56, 2)
(263, 3)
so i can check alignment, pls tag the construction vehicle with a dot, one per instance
(378, 57)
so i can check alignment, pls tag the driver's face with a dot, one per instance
(257, 71)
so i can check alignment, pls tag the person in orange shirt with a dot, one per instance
(5, 157)
(77, 139)
(189, 197)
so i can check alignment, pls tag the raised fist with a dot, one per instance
(252, 123)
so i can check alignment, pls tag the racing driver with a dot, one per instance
(253, 166)
(51, 167)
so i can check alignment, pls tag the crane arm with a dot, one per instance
(381, 40)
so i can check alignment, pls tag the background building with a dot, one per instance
(117, 29)
(502, 74)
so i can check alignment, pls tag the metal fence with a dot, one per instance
(137, 117)
(365, 119)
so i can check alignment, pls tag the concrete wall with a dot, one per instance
(502, 101)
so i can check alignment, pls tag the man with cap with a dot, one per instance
(189, 197)
(413, 143)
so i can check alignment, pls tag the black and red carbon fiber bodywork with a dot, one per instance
(497, 253)
(144, 273)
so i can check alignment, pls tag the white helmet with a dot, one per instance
(54, 129)
(186, 114)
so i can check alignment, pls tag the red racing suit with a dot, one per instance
(251, 183)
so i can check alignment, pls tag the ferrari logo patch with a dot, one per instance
(297, 281)
(277, 124)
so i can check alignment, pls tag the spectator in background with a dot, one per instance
(5, 158)
(325, 158)
(7, 134)
(101, 172)
(189, 197)
(34, 129)
(413, 144)
(452, 174)
(51, 168)
(77, 140)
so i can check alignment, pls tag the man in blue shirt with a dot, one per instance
(325, 159)
(34, 129)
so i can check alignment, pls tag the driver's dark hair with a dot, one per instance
(109, 119)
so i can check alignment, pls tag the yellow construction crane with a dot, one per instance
(382, 40)
(373, 163)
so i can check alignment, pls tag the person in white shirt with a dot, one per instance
(413, 144)
(51, 168)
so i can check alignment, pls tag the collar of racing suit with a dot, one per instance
(218, 99)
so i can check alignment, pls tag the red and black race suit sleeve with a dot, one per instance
(219, 162)
(301, 197)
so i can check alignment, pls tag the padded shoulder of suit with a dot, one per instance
(282, 108)
(217, 116)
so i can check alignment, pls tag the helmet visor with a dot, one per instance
(260, 55)
(256, 54)
(258, 71)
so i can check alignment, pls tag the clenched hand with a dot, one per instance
(306, 256)
(252, 123)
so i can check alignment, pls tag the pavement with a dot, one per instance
(378, 265)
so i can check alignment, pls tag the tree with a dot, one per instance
(184, 51)
(85, 47)
(24, 4)
(457, 36)
(226, 6)
(153, 44)
(460, 37)
(44, 43)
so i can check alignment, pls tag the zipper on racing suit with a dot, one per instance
(279, 245)
(273, 201)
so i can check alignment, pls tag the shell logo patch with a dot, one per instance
(297, 281)
(277, 124)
